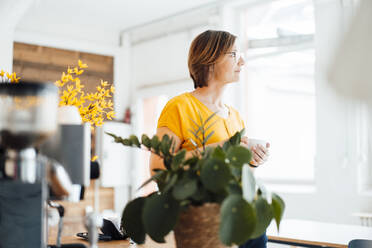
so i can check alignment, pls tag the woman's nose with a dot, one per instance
(241, 61)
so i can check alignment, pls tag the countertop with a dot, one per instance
(121, 243)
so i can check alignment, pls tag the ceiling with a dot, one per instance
(100, 16)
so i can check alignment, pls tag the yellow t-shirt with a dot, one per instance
(179, 112)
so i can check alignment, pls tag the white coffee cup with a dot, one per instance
(255, 142)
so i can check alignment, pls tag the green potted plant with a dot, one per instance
(201, 198)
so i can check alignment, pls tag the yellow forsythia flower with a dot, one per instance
(104, 83)
(110, 115)
(81, 65)
(93, 107)
(59, 83)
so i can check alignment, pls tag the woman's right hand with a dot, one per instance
(259, 152)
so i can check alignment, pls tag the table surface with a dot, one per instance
(317, 233)
(292, 231)
(121, 243)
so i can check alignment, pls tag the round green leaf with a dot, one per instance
(264, 214)
(278, 206)
(238, 220)
(239, 155)
(131, 220)
(218, 153)
(160, 215)
(185, 188)
(215, 175)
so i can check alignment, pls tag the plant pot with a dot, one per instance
(198, 227)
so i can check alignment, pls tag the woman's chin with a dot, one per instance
(236, 78)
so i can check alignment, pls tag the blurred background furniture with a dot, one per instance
(307, 233)
(360, 243)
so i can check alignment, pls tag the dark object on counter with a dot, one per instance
(69, 246)
(101, 237)
(109, 228)
(109, 232)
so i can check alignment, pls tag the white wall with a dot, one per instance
(160, 50)
(11, 11)
(6, 50)
(160, 60)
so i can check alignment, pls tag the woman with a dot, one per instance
(214, 62)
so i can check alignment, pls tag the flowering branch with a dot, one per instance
(93, 107)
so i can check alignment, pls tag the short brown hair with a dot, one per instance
(205, 50)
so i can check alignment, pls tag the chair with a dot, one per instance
(360, 243)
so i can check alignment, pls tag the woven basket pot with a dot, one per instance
(198, 227)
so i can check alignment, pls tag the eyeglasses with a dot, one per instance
(236, 55)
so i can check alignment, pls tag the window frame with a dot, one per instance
(284, 44)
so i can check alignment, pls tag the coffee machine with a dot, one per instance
(28, 116)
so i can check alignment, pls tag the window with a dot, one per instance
(150, 102)
(280, 88)
(151, 109)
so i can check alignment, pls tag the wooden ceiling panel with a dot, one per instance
(46, 64)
